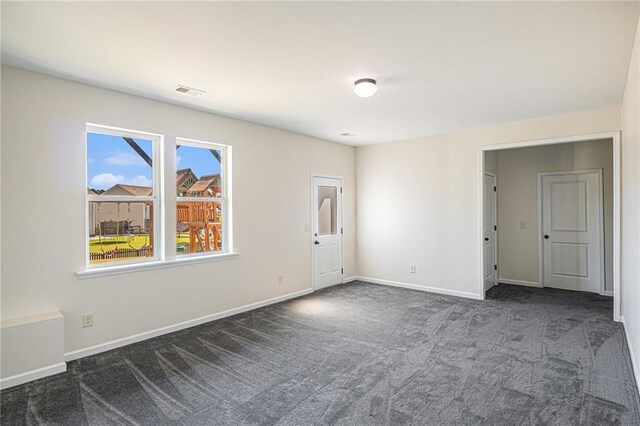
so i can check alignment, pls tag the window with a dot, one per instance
(202, 202)
(327, 210)
(125, 205)
(122, 198)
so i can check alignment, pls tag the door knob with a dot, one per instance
(316, 242)
(486, 239)
(546, 237)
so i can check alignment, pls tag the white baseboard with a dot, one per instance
(519, 282)
(103, 347)
(608, 293)
(29, 376)
(349, 279)
(636, 373)
(422, 288)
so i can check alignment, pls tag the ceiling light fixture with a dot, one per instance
(365, 87)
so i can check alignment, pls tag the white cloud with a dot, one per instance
(125, 159)
(139, 181)
(178, 160)
(91, 160)
(107, 180)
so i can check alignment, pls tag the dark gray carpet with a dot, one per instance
(360, 354)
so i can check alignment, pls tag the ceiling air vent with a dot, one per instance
(189, 90)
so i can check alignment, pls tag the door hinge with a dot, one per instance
(342, 230)
(495, 227)
(495, 189)
(342, 270)
(341, 190)
(495, 267)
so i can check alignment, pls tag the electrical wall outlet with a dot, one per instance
(413, 269)
(280, 279)
(87, 319)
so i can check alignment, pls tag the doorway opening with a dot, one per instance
(552, 218)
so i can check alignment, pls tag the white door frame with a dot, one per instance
(495, 223)
(600, 224)
(313, 217)
(615, 137)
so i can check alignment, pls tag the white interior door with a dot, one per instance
(327, 231)
(490, 231)
(572, 231)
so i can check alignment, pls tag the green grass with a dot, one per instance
(136, 241)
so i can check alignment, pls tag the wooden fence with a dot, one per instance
(122, 253)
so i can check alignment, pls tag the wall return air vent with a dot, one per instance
(189, 90)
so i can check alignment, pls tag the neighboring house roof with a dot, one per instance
(205, 183)
(209, 183)
(208, 177)
(120, 189)
(185, 178)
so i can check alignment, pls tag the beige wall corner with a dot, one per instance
(423, 210)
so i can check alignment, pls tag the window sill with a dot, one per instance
(125, 269)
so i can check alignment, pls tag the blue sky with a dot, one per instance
(199, 160)
(110, 160)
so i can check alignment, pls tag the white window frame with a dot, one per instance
(157, 142)
(224, 200)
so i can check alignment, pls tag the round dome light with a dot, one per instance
(365, 87)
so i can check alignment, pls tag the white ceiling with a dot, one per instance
(441, 67)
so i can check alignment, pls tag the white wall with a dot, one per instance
(630, 290)
(518, 201)
(43, 178)
(422, 209)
